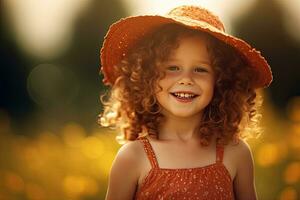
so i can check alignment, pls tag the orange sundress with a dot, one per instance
(209, 182)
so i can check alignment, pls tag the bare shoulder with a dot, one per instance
(131, 150)
(244, 180)
(240, 152)
(125, 171)
(234, 152)
(129, 156)
(241, 148)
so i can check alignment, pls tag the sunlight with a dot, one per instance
(43, 28)
(227, 10)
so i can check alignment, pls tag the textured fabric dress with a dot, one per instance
(209, 182)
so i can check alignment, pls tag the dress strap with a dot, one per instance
(149, 151)
(219, 153)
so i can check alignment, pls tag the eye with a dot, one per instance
(172, 68)
(200, 69)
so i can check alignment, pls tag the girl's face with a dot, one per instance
(188, 85)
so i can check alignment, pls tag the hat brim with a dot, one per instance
(126, 32)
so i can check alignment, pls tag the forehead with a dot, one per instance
(194, 35)
(194, 47)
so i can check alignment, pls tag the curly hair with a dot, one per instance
(131, 105)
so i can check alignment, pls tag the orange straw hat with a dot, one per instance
(126, 32)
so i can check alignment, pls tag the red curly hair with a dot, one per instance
(132, 107)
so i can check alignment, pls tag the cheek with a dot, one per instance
(206, 81)
(165, 83)
(160, 98)
(211, 87)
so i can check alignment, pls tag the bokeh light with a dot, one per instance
(92, 147)
(292, 173)
(73, 134)
(34, 191)
(226, 10)
(44, 28)
(270, 154)
(49, 85)
(293, 109)
(13, 182)
(288, 193)
(292, 17)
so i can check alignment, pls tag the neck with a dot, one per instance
(179, 128)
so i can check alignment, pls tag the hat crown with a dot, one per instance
(199, 14)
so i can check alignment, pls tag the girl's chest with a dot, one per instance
(170, 159)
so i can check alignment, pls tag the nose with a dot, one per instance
(186, 79)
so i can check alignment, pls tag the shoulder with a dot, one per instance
(240, 148)
(130, 153)
(125, 171)
(237, 154)
(241, 151)
(244, 179)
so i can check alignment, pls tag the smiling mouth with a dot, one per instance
(184, 95)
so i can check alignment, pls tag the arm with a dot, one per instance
(244, 184)
(124, 173)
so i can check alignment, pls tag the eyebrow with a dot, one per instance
(198, 61)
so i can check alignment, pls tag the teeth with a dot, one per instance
(184, 95)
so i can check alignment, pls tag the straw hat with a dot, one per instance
(125, 33)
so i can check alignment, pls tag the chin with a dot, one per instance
(182, 114)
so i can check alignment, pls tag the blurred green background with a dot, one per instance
(51, 146)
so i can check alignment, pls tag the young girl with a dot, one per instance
(183, 95)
